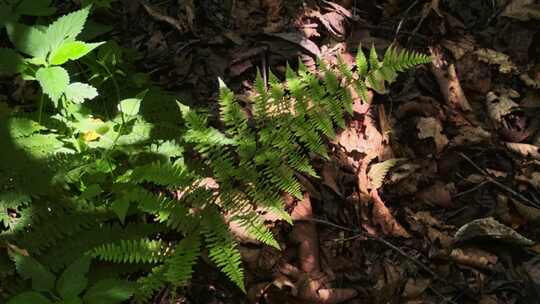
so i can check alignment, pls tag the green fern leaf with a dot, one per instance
(222, 248)
(361, 63)
(132, 251)
(180, 263)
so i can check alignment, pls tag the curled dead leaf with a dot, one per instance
(384, 218)
(474, 257)
(430, 127)
(489, 228)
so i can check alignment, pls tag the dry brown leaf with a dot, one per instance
(329, 174)
(489, 228)
(415, 288)
(432, 127)
(470, 135)
(523, 10)
(474, 75)
(273, 8)
(533, 179)
(439, 194)
(298, 39)
(461, 46)
(311, 286)
(384, 218)
(473, 257)
(488, 299)
(530, 213)
(499, 106)
(448, 81)
(532, 81)
(525, 150)
(493, 57)
(437, 236)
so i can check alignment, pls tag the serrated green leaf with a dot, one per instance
(28, 39)
(110, 291)
(66, 28)
(35, 8)
(78, 92)
(29, 268)
(53, 81)
(361, 62)
(29, 297)
(73, 280)
(120, 207)
(130, 106)
(23, 127)
(10, 61)
(71, 50)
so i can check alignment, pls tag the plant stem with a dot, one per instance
(41, 101)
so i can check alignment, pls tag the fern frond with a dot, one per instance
(68, 250)
(231, 112)
(252, 223)
(133, 251)
(222, 248)
(401, 60)
(10, 203)
(180, 263)
(361, 63)
(378, 171)
(148, 285)
(171, 212)
(164, 174)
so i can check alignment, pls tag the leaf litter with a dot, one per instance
(422, 184)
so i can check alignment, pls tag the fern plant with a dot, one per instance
(251, 161)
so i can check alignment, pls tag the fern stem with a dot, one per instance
(40, 110)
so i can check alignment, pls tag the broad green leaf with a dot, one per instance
(53, 81)
(28, 39)
(10, 61)
(130, 106)
(75, 300)
(37, 61)
(91, 191)
(110, 291)
(29, 297)
(71, 50)
(120, 207)
(29, 268)
(6, 15)
(66, 28)
(78, 92)
(35, 8)
(73, 280)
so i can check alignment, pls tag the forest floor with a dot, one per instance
(455, 219)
